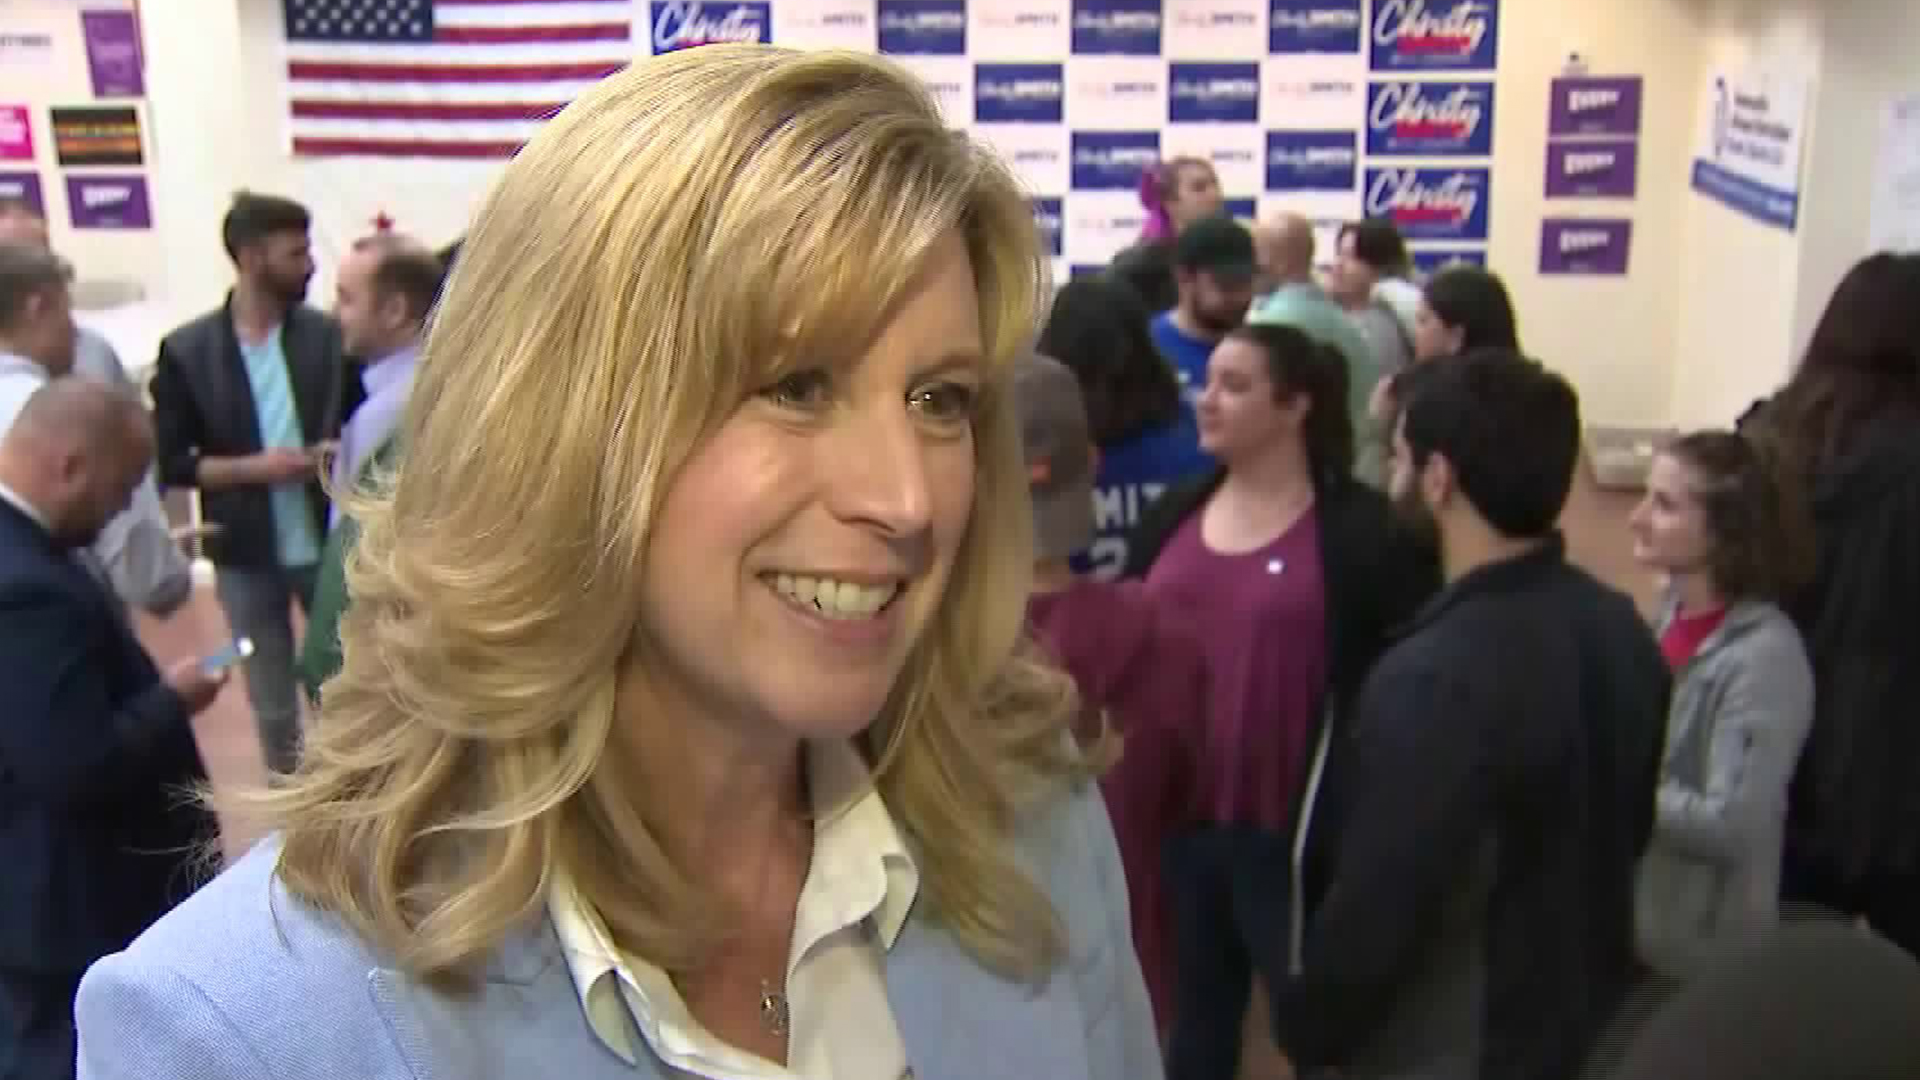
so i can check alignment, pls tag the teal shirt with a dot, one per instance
(1306, 308)
(297, 534)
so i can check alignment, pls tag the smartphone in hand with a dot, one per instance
(238, 650)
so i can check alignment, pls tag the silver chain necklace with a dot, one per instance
(774, 1014)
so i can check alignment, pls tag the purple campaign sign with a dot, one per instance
(1599, 169)
(1585, 245)
(23, 185)
(113, 53)
(1594, 106)
(109, 202)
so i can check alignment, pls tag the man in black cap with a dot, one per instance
(1213, 267)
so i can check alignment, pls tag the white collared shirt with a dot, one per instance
(19, 378)
(861, 882)
(18, 502)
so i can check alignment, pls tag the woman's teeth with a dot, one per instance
(835, 599)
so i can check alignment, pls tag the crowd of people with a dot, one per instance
(770, 634)
(1525, 875)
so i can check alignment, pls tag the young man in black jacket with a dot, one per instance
(245, 400)
(1499, 779)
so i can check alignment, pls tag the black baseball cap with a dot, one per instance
(1217, 244)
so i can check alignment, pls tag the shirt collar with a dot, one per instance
(1515, 573)
(853, 832)
(857, 850)
(14, 363)
(390, 370)
(19, 502)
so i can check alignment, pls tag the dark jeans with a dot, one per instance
(36, 1024)
(1228, 891)
(258, 602)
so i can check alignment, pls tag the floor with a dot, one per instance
(1595, 526)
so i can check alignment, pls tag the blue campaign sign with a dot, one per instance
(1112, 160)
(1312, 160)
(1430, 203)
(1434, 35)
(1116, 27)
(1218, 93)
(1427, 261)
(1019, 93)
(1314, 26)
(923, 27)
(1430, 118)
(682, 24)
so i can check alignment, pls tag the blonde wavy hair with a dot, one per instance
(662, 248)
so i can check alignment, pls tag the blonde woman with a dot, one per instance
(681, 730)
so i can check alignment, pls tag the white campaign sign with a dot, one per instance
(1748, 153)
(1895, 224)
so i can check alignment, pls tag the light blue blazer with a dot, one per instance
(245, 982)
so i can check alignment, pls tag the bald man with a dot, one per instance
(95, 743)
(1284, 246)
(136, 549)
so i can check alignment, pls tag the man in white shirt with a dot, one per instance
(143, 564)
(36, 324)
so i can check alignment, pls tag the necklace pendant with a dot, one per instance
(1276, 566)
(773, 1009)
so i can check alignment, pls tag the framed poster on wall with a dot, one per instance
(97, 135)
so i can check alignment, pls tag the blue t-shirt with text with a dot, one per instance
(1187, 354)
(1133, 474)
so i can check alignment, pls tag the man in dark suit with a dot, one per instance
(96, 747)
(245, 398)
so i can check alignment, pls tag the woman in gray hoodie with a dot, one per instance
(1717, 524)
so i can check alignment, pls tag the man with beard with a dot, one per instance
(1498, 781)
(1213, 267)
(245, 398)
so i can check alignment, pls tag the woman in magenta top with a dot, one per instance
(1287, 569)
(1292, 575)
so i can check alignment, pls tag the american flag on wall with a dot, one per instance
(466, 79)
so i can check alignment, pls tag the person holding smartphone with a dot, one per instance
(96, 744)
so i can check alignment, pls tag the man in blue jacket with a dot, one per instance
(96, 746)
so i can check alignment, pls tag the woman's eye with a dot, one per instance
(945, 402)
(800, 390)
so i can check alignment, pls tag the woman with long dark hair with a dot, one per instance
(1847, 425)
(1099, 329)
(1730, 540)
(1462, 308)
(1292, 575)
